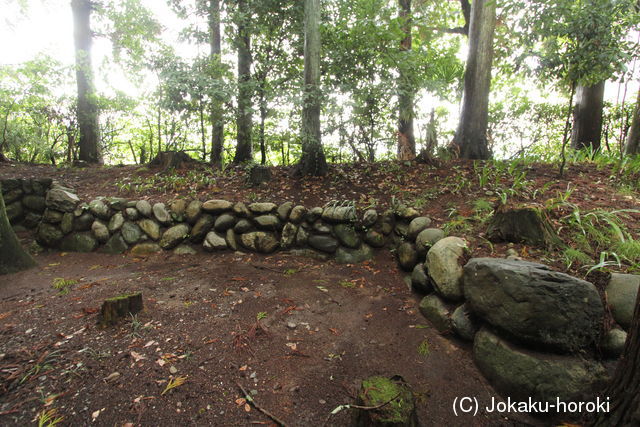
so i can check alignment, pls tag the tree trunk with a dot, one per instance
(406, 138)
(313, 161)
(87, 107)
(244, 149)
(470, 140)
(632, 146)
(624, 389)
(12, 257)
(587, 117)
(263, 119)
(217, 123)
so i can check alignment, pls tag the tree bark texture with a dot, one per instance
(89, 147)
(217, 121)
(406, 138)
(312, 161)
(12, 257)
(470, 140)
(244, 120)
(587, 117)
(624, 390)
(632, 146)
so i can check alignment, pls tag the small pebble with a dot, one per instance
(322, 401)
(291, 325)
(173, 370)
(294, 388)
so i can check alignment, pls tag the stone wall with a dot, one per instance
(25, 200)
(115, 225)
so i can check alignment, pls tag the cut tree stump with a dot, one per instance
(521, 224)
(117, 308)
(257, 174)
(171, 160)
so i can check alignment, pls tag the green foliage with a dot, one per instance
(63, 285)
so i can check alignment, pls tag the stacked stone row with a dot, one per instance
(115, 225)
(25, 200)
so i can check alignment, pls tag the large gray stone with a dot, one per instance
(369, 217)
(297, 214)
(436, 311)
(347, 235)
(613, 343)
(374, 239)
(232, 242)
(216, 206)
(51, 216)
(178, 208)
(193, 211)
(243, 226)
(115, 245)
(241, 210)
(524, 375)
(323, 243)
(406, 212)
(116, 222)
(214, 242)
(100, 231)
(260, 241)
(262, 208)
(32, 219)
(302, 237)
(62, 199)
(420, 280)
(622, 292)
(268, 222)
(83, 222)
(161, 214)
(100, 210)
(144, 208)
(174, 236)
(144, 249)
(15, 212)
(131, 233)
(224, 222)
(288, 237)
(339, 214)
(284, 210)
(150, 228)
(464, 323)
(132, 213)
(48, 235)
(387, 223)
(321, 227)
(117, 203)
(202, 227)
(354, 256)
(427, 238)
(78, 242)
(11, 196)
(34, 203)
(444, 264)
(417, 225)
(407, 256)
(533, 304)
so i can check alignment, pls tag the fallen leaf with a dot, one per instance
(137, 356)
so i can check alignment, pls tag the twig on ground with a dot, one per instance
(250, 399)
(364, 408)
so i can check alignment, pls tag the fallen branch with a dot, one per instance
(250, 399)
(364, 408)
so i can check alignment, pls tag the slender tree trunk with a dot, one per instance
(244, 149)
(587, 117)
(263, 119)
(203, 132)
(87, 107)
(217, 122)
(313, 161)
(470, 140)
(12, 257)
(632, 146)
(406, 138)
(624, 389)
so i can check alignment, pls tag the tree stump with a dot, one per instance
(521, 224)
(257, 174)
(385, 402)
(171, 160)
(114, 309)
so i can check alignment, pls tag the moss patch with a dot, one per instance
(399, 406)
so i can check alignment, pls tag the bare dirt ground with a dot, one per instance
(296, 333)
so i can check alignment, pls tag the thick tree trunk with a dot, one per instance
(87, 107)
(632, 146)
(12, 257)
(587, 117)
(244, 149)
(470, 140)
(406, 138)
(217, 123)
(624, 390)
(313, 161)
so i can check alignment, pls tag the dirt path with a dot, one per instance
(326, 327)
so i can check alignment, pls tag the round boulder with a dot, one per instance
(622, 292)
(444, 264)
